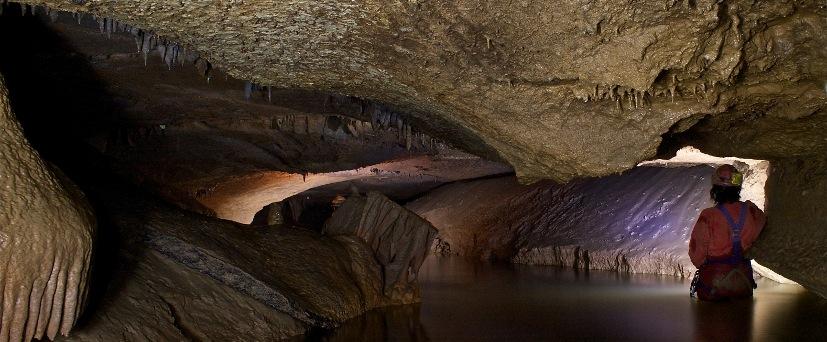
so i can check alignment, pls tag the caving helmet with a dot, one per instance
(727, 175)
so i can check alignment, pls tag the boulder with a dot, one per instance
(399, 238)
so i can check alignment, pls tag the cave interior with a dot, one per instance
(352, 171)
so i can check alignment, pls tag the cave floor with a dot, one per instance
(472, 301)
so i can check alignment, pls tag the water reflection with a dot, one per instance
(730, 321)
(396, 323)
(471, 301)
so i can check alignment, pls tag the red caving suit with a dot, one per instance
(711, 243)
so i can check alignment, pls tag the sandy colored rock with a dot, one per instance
(400, 239)
(46, 232)
(557, 89)
(793, 242)
(159, 299)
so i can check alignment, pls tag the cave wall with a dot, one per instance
(793, 241)
(639, 221)
(46, 233)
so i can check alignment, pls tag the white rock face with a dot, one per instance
(754, 189)
(638, 222)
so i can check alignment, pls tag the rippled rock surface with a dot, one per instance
(637, 222)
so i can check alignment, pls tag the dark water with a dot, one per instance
(467, 301)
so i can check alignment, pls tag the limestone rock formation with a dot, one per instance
(182, 276)
(218, 154)
(160, 299)
(558, 89)
(274, 214)
(636, 222)
(793, 242)
(399, 238)
(46, 233)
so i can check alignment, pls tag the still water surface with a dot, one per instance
(471, 301)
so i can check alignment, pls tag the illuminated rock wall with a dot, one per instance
(638, 222)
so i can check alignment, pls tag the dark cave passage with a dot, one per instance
(181, 203)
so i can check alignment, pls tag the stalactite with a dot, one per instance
(208, 72)
(54, 15)
(138, 41)
(173, 56)
(408, 140)
(146, 46)
(162, 52)
(673, 87)
(248, 90)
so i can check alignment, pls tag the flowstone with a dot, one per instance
(46, 233)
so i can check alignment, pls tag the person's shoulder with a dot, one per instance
(751, 203)
(709, 211)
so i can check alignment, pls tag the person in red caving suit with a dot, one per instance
(720, 238)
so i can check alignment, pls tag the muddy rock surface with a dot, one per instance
(162, 300)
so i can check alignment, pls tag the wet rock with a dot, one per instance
(46, 232)
(394, 323)
(399, 238)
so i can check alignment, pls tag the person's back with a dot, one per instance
(720, 238)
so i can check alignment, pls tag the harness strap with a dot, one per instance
(735, 258)
(735, 229)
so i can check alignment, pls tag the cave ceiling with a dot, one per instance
(557, 90)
